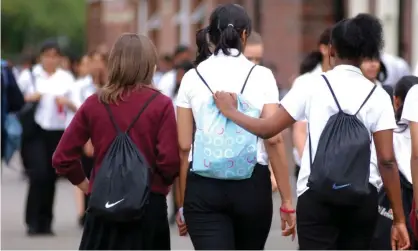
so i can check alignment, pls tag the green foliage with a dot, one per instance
(26, 23)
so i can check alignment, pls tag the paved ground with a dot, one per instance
(13, 194)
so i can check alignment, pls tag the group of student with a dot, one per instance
(228, 119)
(50, 94)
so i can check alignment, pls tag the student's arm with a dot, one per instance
(168, 160)
(388, 169)
(66, 158)
(275, 145)
(382, 130)
(299, 136)
(292, 108)
(26, 85)
(277, 156)
(185, 130)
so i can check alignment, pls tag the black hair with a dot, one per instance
(180, 49)
(401, 90)
(315, 57)
(382, 75)
(358, 38)
(185, 66)
(226, 26)
(50, 44)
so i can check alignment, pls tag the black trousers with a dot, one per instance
(229, 214)
(323, 226)
(42, 178)
(152, 232)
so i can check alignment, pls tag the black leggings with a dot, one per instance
(323, 226)
(229, 214)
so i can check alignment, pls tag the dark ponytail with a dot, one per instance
(310, 62)
(203, 51)
(230, 38)
(227, 25)
(401, 90)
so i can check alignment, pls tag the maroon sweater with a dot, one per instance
(155, 135)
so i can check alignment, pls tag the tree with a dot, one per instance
(26, 23)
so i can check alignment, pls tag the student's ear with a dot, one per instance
(244, 37)
(331, 51)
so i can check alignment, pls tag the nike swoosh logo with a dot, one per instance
(113, 204)
(335, 187)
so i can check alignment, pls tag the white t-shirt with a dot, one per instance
(47, 115)
(80, 91)
(228, 73)
(396, 68)
(314, 101)
(167, 85)
(410, 106)
(402, 149)
(304, 78)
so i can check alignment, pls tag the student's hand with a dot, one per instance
(400, 237)
(88, 149)
(226, 102)
(34, 97)
(273, 183)
(288, 220)
(181, 224)
(63, 101)
(84, 186)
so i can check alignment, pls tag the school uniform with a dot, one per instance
(50, 120)
(409, 113)
(155, 138)
(302, 79)
(229, 214)
(396, 68)
(323, 226)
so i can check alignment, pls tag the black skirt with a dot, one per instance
(152, 232)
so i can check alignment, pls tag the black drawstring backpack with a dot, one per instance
(341, 168)
(122, 185)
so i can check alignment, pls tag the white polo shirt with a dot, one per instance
(51, 87)
(314, 102)
(301, 79)
(228, 73)
(410, 106)
(80, 91)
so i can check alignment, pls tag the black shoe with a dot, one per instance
(39, 232)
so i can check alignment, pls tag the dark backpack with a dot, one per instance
(121, 188)
(341, 168)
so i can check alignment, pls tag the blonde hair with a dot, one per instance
(131, 65)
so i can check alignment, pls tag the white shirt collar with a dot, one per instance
(345, 67)
(234, 53)
(317, 69)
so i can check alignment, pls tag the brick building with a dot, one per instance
(290, 28)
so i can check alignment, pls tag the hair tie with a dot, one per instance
(231, 25)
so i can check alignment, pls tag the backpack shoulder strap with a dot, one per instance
(142, 110)
(248, 76)
(118, 130)
(203, 80)
(332, 92)
(367, 98)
